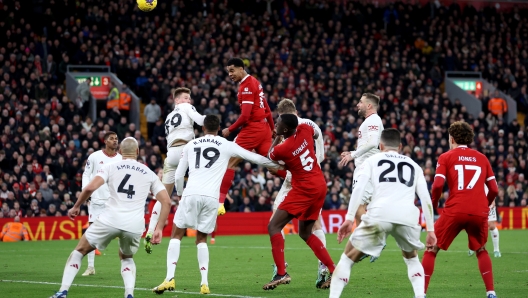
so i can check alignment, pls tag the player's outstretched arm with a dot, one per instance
(237, 151)
(276, 141)
(372, 143)
(195, 116)
(243, 119)
(96, 182)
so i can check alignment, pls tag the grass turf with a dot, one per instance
(239, 266)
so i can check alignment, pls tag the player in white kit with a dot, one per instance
(207, 159)
(179, 128)
(367, 145)
(129, 183)
(95, 162)
(492, 225)
(286, 106)
(396, 179)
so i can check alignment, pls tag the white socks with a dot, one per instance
(91, 259)
(495, 239)
(173, 254)
(341, 276)
(128, 272)
(416, 275)
(72, 267)
(154, 218)
(203, 261)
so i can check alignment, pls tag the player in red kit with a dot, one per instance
(255, 120)
(466, 172)
(305, 199)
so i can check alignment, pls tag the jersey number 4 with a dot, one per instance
(391, 168)
(130, 191)
(174, 122)
(211, 159)
(460, 169)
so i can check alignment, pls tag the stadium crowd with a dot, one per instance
(321, 54)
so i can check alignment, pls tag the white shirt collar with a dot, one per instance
(244, 78)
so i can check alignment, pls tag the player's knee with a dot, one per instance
(272, 229)
(481, 249)
(305, 235)
(491, 225)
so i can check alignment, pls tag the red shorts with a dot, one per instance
(448, 226)
(255, 136)
(304, 205)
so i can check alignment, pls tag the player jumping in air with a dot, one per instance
(95, 162)
(306, 198)
(255, 121)
(129, 183)
(206, 158)
(396, 179)
(286, 106)
(179, 130)
(466, 171)
(367, 145)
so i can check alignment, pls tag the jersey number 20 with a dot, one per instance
(391, 168)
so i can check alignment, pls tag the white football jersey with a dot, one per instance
(371, 130)
(179, 123)
(207, 158)
(396, 180)
(95, 162)
(130, 183)
(319, 142)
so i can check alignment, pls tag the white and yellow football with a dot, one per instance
(147, 5)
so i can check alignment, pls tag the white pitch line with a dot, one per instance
(117, 287)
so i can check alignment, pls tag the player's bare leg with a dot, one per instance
(227, 181)
(72, 266)
(305, 232)
(173, 254)
(275, 226)
(203, 260)
(322, 270)
(128, 272)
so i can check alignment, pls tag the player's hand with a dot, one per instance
(226, 132)
(344, 230)
(273, 171)
(430, 240)
(156, 237)
(273, 134)
(73, 212)
(345, 158)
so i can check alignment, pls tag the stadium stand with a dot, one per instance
(321, 54)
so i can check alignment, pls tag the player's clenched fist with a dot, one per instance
(156, 237)
(344, 230)
(226, 132)
(73, 212)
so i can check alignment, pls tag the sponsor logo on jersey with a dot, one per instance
(373, 127)
(101, 162)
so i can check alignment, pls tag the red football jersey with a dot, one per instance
(250, 92)
(466, 172)
(297, 153)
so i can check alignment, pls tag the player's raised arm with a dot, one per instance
(180, 171)
(237, 151)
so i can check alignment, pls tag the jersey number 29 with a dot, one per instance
(175, 121)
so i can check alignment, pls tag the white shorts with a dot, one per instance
(367, 196)
(197, 212)
(285, 189)
(171, 164)
(99, 235)
(371, 235)
(492, 215)
(94, 210)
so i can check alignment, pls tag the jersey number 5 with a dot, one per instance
(306, 161)
(171, 123)
(391, 168)
(130, 191)
(211, 159)
(460, 169)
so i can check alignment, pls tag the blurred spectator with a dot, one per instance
(14, 231)
(152, 113)
(83, 96)
(497, 105)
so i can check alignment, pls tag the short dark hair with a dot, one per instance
(108, 134)
(373, 98)
(179, 91)
(391, 137)
(461, 132)
(291, 121)
(211, 123)
(237, 62)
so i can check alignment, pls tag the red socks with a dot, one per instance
(320, 252)
(484, 263)
(277, 249)
(428, 263)
(227, 181)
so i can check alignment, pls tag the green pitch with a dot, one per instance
(239, 267)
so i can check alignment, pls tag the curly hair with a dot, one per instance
(461, 132)
(286, 106)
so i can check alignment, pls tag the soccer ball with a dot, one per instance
(147, 5)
